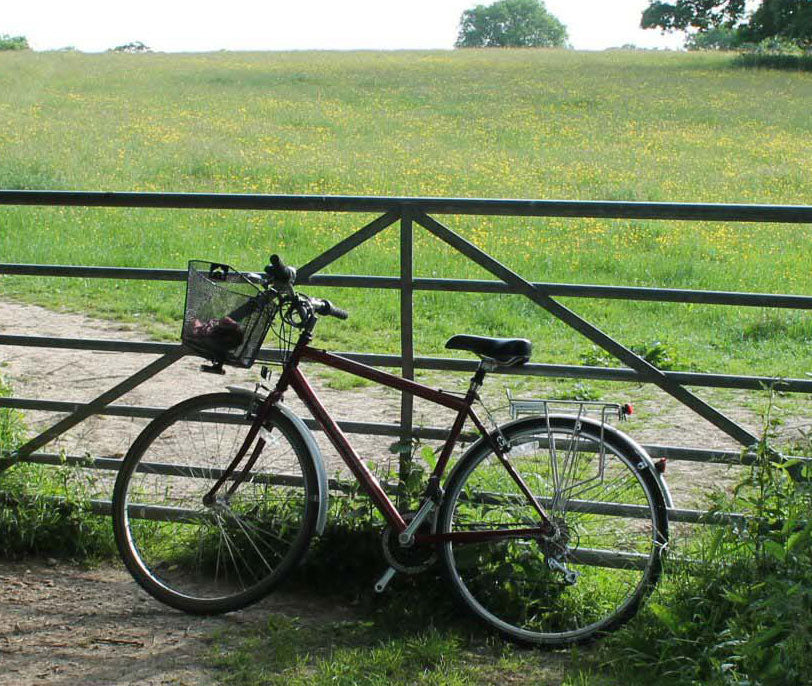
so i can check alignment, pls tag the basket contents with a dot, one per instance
(220, 335)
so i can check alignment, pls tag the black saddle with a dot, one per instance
(507, 352)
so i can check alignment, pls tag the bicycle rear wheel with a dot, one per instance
(611, 528)
(206, 559)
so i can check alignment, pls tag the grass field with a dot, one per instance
(535, 124)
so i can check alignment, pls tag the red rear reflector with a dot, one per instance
(628, 408)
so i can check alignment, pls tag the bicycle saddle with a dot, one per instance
(508, 352)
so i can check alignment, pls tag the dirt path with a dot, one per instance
(63, 624)
(80, 375)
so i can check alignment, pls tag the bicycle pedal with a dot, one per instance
(213, 368)
(383, 582)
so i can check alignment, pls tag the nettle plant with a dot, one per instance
(737, 605)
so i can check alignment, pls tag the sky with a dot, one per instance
(205, 25)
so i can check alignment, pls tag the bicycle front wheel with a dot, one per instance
(591, 574)
(217, 557)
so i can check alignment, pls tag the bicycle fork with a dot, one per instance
(254, 434)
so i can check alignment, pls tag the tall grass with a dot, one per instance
(540, 124)
(11, 424)
(740, 610)
(45, 511)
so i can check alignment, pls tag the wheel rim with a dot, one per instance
(239, 544)
(510, 583)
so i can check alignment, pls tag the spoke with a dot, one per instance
(609, 496)
(264, 533)
(233, 548)
(213, 558)
(250, 539)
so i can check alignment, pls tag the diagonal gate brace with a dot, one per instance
(94, 406)
(647, 371)
(343, 247)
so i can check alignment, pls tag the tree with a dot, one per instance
(13, 42)
(786, 19)
(698, 14)
(135, 47)
(510, 23)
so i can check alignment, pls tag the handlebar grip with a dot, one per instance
(338, 313)
(327, 309)
(280, 272)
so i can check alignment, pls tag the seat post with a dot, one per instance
(477, 379)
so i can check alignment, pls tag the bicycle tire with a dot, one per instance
(212, 559)
(509, 584)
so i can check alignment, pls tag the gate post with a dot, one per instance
(406, 343)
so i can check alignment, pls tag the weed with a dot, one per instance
(741, 610)
(597, 357)
(11, 427)
(657, 354)
(578, 391)
(46, 510)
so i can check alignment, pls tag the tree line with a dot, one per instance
(709, 24)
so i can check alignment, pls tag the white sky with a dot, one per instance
(202, 25)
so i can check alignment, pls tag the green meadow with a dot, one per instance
(619, 125)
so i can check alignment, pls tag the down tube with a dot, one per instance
(361, 472)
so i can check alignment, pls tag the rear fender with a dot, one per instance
(619, 439)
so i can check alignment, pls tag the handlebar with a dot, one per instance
(283, 277)
(280, 273)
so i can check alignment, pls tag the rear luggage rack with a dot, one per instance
(578, 408)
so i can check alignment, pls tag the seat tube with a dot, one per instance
(459, 422)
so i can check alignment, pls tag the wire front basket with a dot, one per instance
(226, 317)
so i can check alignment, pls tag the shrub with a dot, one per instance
(740, 611)
(775, 53)
(13, 42)
(133, 48)
(717, 38)
(754, 60)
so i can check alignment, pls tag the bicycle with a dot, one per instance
(550, 529)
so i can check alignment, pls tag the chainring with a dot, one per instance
(408, 560)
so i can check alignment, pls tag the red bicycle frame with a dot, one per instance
(292, 377)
